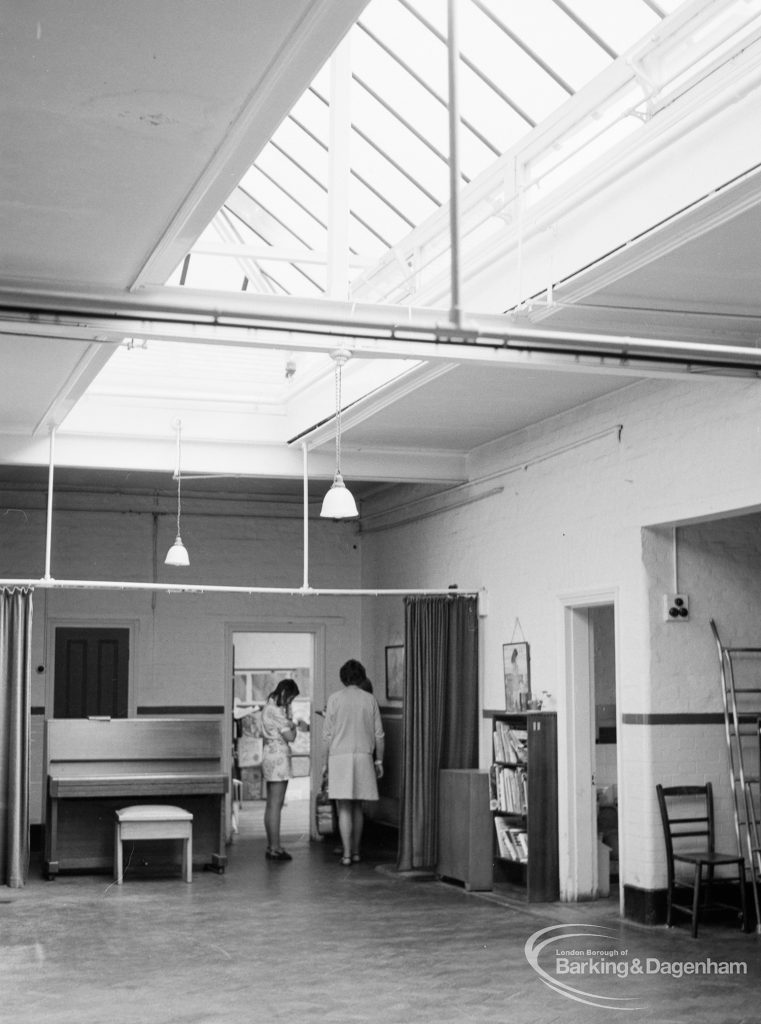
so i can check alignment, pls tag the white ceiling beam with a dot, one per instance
(339, 177)
(405, 384)
(244, 458)
(84, 373)
(308, 45)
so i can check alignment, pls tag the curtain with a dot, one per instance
(440, 714)
(15, 690)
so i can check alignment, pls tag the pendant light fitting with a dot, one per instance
(339, 503)
(178, 553)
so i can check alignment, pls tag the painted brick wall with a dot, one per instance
(570, 520)
(181, 640)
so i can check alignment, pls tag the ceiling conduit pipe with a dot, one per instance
(222, 320)
(204, 588)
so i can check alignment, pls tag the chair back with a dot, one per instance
(687, 818)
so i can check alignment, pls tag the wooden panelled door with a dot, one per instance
(91, 672)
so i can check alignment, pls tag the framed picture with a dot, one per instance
(395, 672)
(515, 664)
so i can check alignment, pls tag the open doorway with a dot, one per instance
(602, 627)
(260, 659)
(589, 831)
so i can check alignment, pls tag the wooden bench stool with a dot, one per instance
(154, 821)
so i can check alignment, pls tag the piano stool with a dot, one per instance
(154, 821)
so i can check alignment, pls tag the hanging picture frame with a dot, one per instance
(395, 672)
(517, 672)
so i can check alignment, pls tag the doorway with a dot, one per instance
(589, 751)
(260, 660)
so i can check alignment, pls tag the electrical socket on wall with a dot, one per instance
(676, 608)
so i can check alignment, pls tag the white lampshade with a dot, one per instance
(177, 554)
(338, 503)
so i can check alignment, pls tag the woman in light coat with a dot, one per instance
(355, 743)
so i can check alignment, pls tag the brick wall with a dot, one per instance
(181, 641)
(582, 510)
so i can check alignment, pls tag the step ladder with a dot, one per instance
(741, 695)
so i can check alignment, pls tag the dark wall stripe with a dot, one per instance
(182, 709)
(165, 709)
(671, 718)
(682, 718)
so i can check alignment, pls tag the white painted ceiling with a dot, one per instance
(126, 126)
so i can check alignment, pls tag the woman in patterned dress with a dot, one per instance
(278, 731)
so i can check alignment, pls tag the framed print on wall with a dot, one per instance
(395, 672)
(515, 664)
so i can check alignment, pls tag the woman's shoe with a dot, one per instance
(278, 855)
(355, 858)
(346, 862)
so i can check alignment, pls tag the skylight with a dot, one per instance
(520, 63)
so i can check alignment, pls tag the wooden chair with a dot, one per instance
(687, 815)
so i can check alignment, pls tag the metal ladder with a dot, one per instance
(742, 715)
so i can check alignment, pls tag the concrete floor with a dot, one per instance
(312, 941)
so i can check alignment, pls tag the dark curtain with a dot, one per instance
(440, 714)
(15, 690)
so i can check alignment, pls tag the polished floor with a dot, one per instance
(312, 941)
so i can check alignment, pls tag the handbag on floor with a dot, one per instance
(326, 819)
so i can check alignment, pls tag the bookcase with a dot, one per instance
(523, 792)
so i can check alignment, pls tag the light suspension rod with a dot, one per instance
(304, 451)
(453, 53)
(49, 521)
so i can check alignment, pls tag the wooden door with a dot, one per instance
(91, 672)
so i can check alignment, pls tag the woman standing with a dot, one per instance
(278, 731)
(354, 738)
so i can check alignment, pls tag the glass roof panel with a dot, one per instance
(570, 56)
(617, 25)
(403, 191)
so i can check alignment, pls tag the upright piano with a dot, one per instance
(95, 766)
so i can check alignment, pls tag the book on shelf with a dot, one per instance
(493, 789)
(512, 842)
(499, 748)
(511, 789)
(509, 744)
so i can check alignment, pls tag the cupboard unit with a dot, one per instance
(465, 828)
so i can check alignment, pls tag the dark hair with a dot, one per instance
(284, 692)
(352, 673)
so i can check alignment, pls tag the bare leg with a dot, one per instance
(275, 799)
(346, 825)
(358, 820)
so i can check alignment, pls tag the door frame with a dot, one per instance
(318, 632)
(577, 824)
